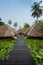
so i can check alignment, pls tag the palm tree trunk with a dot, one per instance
(36, 19)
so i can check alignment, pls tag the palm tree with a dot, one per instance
(9, 22)
(0, 19)
(15, 24)
(36, 10)
(41, 6)
(40, 2)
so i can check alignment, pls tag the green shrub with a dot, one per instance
(36, 49)
(6, 46)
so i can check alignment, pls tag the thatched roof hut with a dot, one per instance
(36, 31)
(6, 31)
(20, 31)
(27, 30)
(14, 31)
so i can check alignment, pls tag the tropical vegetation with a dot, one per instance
(9, 22)
(1, 22)
(6, 45)
(15, 24)
(26, 26)
(40, 23)
(36, 49)
(36, 10)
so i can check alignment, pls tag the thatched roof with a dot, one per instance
(14, 31)
(27, 30)
(36, 31)
(6, 31)
(20, 31)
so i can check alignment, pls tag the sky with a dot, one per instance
(17, 11)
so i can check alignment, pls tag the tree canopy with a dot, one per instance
(36, 10)
(9, 22)
(40, 23)
(26, 25)
(15, 24)
(1, 22)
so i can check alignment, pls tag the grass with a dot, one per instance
(36, 49)
(6, 46)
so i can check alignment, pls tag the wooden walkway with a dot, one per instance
(20, 54)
